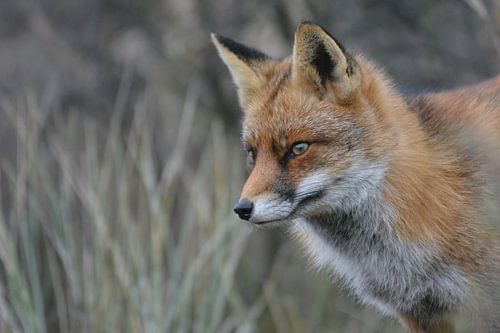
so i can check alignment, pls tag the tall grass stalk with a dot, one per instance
(103, 235)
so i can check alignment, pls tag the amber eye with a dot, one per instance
(250, 157)
(299, 148)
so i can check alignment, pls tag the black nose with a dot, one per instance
(244, 209)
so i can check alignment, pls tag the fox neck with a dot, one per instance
(354, 232)
(429, 186)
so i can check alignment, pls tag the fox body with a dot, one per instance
(398, 195)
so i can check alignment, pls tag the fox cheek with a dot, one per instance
(284, 190)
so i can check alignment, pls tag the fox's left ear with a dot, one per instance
(245, 64)
(321, 64)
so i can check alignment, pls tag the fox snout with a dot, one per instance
(244, 209)
(280, 202)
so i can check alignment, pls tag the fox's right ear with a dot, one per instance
(245, 64)
(321, 64)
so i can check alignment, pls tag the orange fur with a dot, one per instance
(440, 152)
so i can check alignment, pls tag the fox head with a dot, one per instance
(313, 138)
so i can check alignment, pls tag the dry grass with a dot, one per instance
(89, 240)
(101, 233)
(118, 219)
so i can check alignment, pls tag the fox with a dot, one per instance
(398, 195)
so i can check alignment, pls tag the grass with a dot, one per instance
(121, 221)
(101, 232)
(92, 239)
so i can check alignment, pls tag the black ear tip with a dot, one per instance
(225, 41)
(243, 52)
(304, 24)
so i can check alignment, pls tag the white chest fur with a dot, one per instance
(385, 273)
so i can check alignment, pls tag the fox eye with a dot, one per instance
(250, 157)
(299, 148)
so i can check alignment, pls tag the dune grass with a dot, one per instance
(100, 232)
(92, 238)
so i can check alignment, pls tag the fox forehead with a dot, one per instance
(283, 114)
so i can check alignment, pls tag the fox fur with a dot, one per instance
(398, 195)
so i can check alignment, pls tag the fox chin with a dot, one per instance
(398, 195)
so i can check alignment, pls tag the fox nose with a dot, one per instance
(244, 209)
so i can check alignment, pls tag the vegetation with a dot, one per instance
(120, 161)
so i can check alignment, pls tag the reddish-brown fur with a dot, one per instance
(443, 149)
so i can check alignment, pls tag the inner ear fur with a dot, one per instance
(321, 64)
(245, 65)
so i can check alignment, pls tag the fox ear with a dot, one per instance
(245, 64)
(321, 63)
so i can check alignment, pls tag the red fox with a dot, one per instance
(399, 195)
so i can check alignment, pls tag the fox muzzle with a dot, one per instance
(244, 209)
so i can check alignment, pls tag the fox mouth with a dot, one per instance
(262, 223)
(273, 220)
(297, 210)
(271, 224)
(311, 197)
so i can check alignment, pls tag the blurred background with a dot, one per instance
(120, 158)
